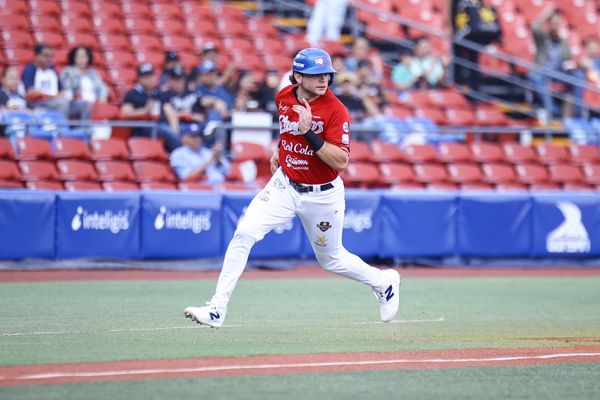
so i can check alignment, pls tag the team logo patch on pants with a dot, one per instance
(321, 241)
(324, 226)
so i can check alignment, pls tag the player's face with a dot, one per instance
(313, 85)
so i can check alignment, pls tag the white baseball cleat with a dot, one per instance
(389, 296)
(207, 315)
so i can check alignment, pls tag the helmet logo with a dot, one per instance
(319, 61)
(298, 65)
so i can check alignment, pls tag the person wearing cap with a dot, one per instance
(212, 93)
(141, 102)
(314, 148)
(347, 92)
(196, 161)
(172, 60)
(210, 52)
(180, 106)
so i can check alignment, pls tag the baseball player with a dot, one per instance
(314, 148)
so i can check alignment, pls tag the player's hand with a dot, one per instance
(304, 116)
(216, 150)
(274, 161)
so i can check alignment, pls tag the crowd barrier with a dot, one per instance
(400, 225)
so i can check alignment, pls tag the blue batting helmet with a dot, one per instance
(313, 61)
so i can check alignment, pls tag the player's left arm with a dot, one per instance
(334, 156)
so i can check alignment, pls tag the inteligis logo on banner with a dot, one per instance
(109, 220)
(195, 221)
(570, 236)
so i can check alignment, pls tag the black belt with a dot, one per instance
(309, 188)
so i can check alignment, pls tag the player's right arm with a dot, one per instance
(274, 161)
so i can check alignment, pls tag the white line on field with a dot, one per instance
(403, 321)
(150, 371)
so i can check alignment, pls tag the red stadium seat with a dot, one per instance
(476, 186)
(109, 25)
(360, 151)
(490, 117)
(430, 173)
(361, 174)
(75, 23)
(195, 186)
(76, 7)
(11, 7)
(76, 170)
(44, 185)
(545, 186)
(549, 153)
(71, 148)
(9, 171)
(141, 148)
(460, 116)
(109, 149)
(53, 39)
(420, 153)
(578, 186)
(517, 153)
(166, 10)
(6, 150)
(511, 187)
(487, 152)
(30, 148)
(243, 151)
(581, 154)
(81, 39)
(592, 173)
(158, 186)
(464, 173)
(396, 173)
(115, 171)
(16, 39)
(18, 56)
(104, 111)
(136, 9)
(442, 186)
(153, 171)
(180, 44)
(106, 9)
(532, 173)
(498, 173)
(39, 23)
(10, 184)
(123, 76)
(123, 59)
(76, 186)
(385, 152)
(38, 170)
(433, 113)
(564, 173)
(140, 26)
(114, 41)
(454, 152)
(447, 98)
(156, 58)
(143, 43)
(167, 26)
(113, 186)
(44, 7)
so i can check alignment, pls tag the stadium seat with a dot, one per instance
(476, 186)
(243, 151)
(460, 116)
(578, 186)
(107, 9)
(136, 9)
(396, 173)
(549, 153)
(383, 152)
(6, 150)
(435, 114)
(167, 26)
(158, 186)
(44, 185)
(76, 23)
(142, 148)
(511, 187)
(114, 41)
(17, 39)
(73, 39)
(153, 171)
(38, 170)
(564, 173)
(10, 184)
(581, 154)
(55, 40)
(485, 152)
(181, 44)
(30, 148)
(545, 186)
(39, 23)
(360, 151)
(517, 153)
(442, 186)
(44, 7)
(146, 43)
(195, 186)
(361, 174)
(140, 26)
(9, 171)
(103, 111)
(76, 170)
(113, 186)
(70, 148)
(592, 173)
(115, 171)
(498, 173)
(447, 98)
(420, 153)
(18, 56)
(109, 149)
(430, 173)
(76, 186)
(490, 117)
(464, 173)
(454, 153)
(76, 7)
(532, 173)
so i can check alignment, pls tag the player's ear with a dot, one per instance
(293, 78)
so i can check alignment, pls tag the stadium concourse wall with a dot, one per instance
(402, 226)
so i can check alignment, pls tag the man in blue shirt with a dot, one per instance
(213, 95)
(195, 161)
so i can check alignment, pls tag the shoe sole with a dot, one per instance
(193, 318)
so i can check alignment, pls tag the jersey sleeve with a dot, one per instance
(338, 128)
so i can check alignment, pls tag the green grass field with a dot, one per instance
(53, 322)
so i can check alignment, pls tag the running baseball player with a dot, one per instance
(314, 148)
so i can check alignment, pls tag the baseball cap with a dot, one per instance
(177, 72)
(192, 130)
(171, 55)
(145, 69)
(209, 46)
(206, 66)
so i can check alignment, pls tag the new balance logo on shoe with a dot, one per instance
(389, 292)
(214, 316)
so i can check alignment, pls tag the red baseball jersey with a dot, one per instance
(331, 121)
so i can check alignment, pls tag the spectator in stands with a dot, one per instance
(427, 69)
(359, 105)
(267, 91)
(590, 61)
(361, 52)
(552, 52)
(180, 107)
(43, 88)
(172, 60)
(10, 95)
(210, 52)
(402, 76)
(212, 93)
(246, 92)
(326, 21)
(368, 85)
(142, 102)
(82, 83)
(195, 161)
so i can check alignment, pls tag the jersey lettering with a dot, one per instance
(297, 148)
(287, 126)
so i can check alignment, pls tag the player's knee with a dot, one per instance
(330, 262)
(245, 236)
